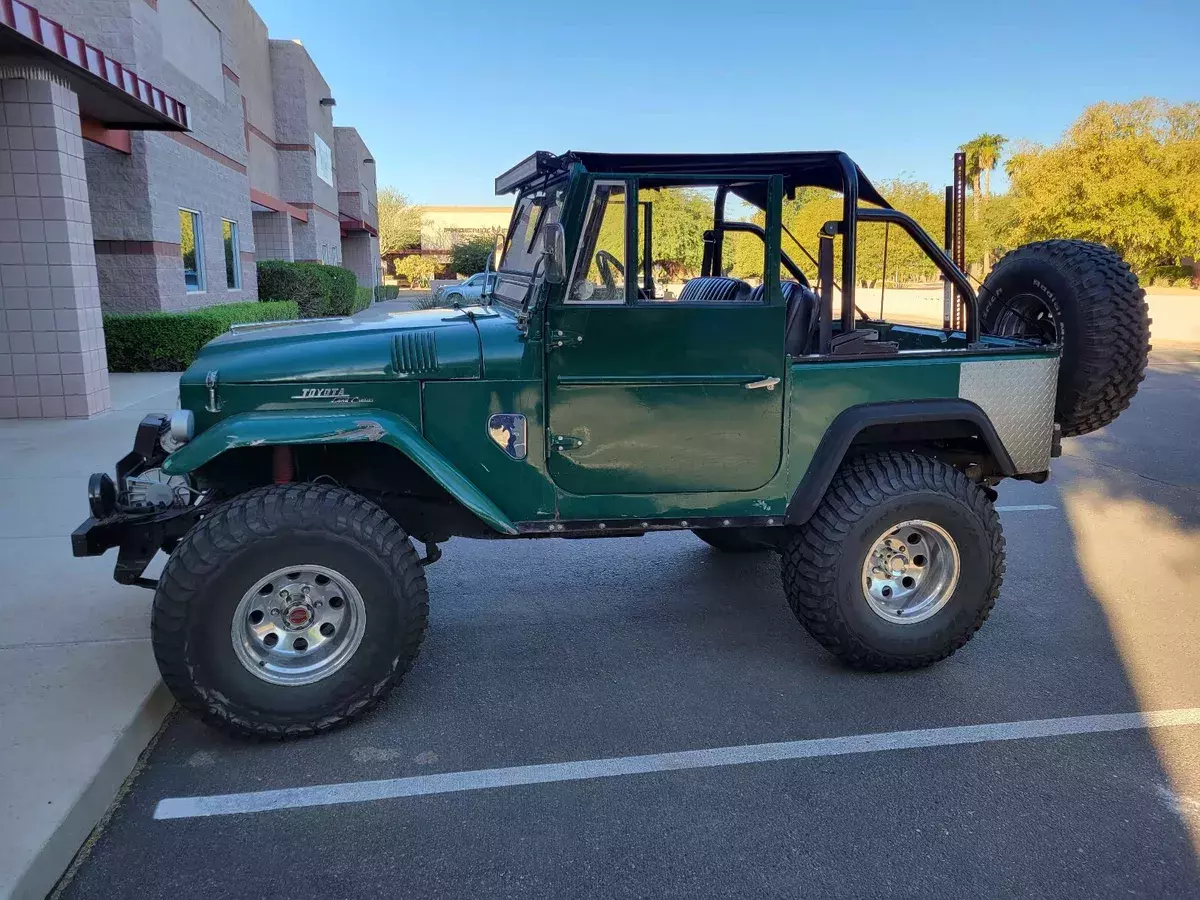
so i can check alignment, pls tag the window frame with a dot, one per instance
(773, 295)
(198, 243)
(629, 185)
(235, 240)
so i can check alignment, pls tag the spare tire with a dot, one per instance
(1086, 298)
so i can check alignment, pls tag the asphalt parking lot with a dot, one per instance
(569, 651)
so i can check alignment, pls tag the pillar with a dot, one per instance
(52, 357)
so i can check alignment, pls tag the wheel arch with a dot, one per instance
(332, 428)
(881, 425)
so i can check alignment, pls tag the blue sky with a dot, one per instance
(448, 94)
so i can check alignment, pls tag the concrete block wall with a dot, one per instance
(319, 239)
(299, 115)
(273, 235)
(52, 354)
(136, 197)
(360, 254)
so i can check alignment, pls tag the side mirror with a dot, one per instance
(554, 252)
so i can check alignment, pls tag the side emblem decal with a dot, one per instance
(330, 395)
(508, 431)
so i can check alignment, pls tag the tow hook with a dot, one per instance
(432, 554)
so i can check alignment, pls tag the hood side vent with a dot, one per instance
(414, 352)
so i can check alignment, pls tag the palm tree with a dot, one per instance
(988, 148)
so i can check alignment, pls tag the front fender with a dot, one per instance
(257, 429)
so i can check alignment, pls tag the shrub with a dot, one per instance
(431, 301)
(386, 292)
(169, 341)
(338, 286)
(471, 255)
(417, 269)
(363, 297)
(318, 289)
(280, 280)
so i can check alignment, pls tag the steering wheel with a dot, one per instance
(606, 262)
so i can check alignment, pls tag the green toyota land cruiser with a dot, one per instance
(594, 392)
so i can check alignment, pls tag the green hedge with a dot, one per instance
(387, 291)
(169, 342)
(363, 297)
(318, 289)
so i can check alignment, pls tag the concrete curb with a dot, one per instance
(87, 809)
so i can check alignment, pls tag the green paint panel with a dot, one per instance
(657, 400)
(336, 427)
(456, 417)
(400, 397)
(822, 390)
(367, 348)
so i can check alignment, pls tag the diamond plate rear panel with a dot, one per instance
(1018, 396)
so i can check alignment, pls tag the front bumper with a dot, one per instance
(139, 538)
(139, 534)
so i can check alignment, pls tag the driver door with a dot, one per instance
(651, 396)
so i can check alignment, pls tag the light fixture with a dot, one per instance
(328, 101)
(370, 161)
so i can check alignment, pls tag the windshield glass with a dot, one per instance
(535, 208)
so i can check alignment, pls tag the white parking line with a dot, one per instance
(482, 779)
(1033, 507)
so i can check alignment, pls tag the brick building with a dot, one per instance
(150, 152)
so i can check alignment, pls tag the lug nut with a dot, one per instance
(275, 610)
(306, 590)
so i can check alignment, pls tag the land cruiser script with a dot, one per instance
(332, 395)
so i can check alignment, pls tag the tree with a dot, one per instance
(417, 269)
(399, 222)
(471, 255)
(988, 148)
(1124, 174)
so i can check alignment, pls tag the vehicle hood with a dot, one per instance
(371, 346)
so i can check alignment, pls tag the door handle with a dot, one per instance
(768, 383)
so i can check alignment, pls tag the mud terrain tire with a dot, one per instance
(1085, 295)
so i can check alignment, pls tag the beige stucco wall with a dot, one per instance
(438, 223)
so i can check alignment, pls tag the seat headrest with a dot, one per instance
(715, 289)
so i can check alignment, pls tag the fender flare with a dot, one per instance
(256, 429)
(850, 422)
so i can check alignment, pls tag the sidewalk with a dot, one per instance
(82, 696)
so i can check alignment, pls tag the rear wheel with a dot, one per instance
(732, 540)
(1084, 297)
(288, 611)
(899, 566)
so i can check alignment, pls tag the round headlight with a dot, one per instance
(180, 428)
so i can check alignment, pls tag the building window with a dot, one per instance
(233, 271)
(191, 248)
(324, 160)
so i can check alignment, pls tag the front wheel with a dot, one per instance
(288, 611)
(899, 566)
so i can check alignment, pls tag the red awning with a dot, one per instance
(349, 223)
(108, 92)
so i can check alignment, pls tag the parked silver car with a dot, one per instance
(469, 291)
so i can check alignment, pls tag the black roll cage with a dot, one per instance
(833, 170)
(847, 227)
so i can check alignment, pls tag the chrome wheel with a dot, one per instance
(910, 572)
(298, 625)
